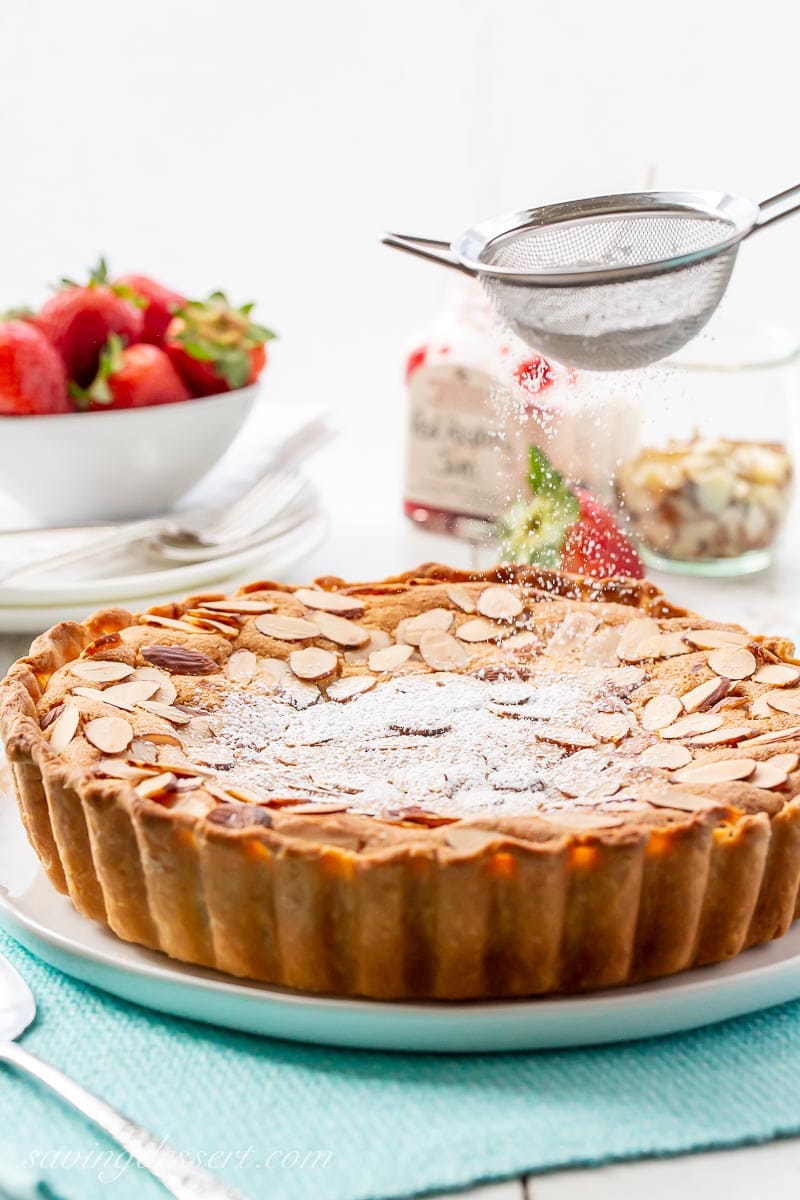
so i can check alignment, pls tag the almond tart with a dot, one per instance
(444, 785)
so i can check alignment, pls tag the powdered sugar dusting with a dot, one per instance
(455, 744)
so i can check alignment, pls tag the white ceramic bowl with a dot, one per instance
(136, 462)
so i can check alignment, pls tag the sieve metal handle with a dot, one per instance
(430, 248)
(776, 199)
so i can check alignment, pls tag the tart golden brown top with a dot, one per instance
(437, 718)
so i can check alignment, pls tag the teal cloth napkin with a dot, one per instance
(282, 1121)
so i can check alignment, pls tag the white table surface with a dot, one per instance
(360, 479)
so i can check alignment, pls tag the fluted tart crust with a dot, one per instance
(444, 785)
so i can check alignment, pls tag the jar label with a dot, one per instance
(457, 458)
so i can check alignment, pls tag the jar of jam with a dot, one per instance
(478, 399)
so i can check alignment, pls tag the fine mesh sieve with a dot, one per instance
(610, 283)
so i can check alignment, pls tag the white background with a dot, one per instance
(262, 147)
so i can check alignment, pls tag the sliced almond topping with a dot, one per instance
(352, 685)
(331, 602)
(243, 795)
(298, 693)
(167, 691)
(92, 693)
(633, 635)
(666, 755)
(715, 639)
(576, 820)
(500, 603)
(609, 727)
(158, 739)
(468, 840)
(775, 735)
(217, 792)
(143, 751)
(729, 735)
(112, 735)
(441, 651)
(166, 623)
(760, 708)
(390, 658)
(565, 735)
(728, 703)
(173, 715)
(229, 620)
(185, 769)
(132, 692)
(777, 675)
(286, 629)
(521, 641)
(273, 670)
(156, 785)
(724, 770)
(243, 607)
(733, 662)
(378, 638)
(341, 631)
(768, 774)
(684, 801)
(100, 670)
(705, 695)
(787, 762)
(64, 728)
(572, 633)
(696, 723)
(316, 810)
(241, 666)
(205, 622)
(313, 663)
(605, 787)
(115, 768)
(411, 629)
(481, 630)
(625, 679)
(662, 645)
(601, 648)
(51, 715)
(462, 597)
(785, 702)
(660, 712)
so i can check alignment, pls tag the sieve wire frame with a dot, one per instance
(476, 249)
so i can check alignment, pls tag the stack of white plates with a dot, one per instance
(134, 576)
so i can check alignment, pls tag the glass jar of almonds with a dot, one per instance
(708, 485)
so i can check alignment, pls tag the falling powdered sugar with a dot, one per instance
(454, 744)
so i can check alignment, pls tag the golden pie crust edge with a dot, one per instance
(506, 917)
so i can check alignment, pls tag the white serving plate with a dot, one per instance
(46, 923)
(31, 611)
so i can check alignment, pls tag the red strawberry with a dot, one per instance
(216, 347)
(132, 377)
(79, 321)
(595, 545)
(158, 304)
(565, 528)
(415, 360)
(535, 374)
(32, 376)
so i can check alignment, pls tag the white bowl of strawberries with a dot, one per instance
(117, 396)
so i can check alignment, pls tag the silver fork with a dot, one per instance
(181, 1178)
(199, 534)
